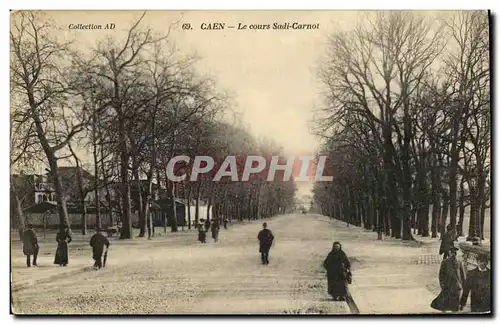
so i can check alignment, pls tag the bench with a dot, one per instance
(112, 230)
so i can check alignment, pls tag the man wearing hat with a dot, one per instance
(265, 238)
(30, 245)
(97, 242)
(478, 284)
(452, 276)
(447, 241)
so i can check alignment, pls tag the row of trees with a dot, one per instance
(407, 124)
(131, 104)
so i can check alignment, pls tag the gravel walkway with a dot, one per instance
(174, 274)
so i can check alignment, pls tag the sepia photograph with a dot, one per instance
(250, 162)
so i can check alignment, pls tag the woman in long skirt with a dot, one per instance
(452, 278)
(202, 234)
(337, 267)
(63, 238)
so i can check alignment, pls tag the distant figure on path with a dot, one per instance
(63, 238)
(30, 245)
(447, 241)
(226, 221)
(266, 239)
(478, 284)
(338, 269)
(215, 230)
(202, 234)
(452, 278)
(97, 242)
(207, 225)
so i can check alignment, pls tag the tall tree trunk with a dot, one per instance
(174, 207)
(140, 204)
(391, 185)
(461, 205)
(197, 203)
(51, 159)
(97, 198)
(189, 205)
(482, 217)
(444, 214)
(18, 209)
(436, 195)
(407, 179)
(126, 231)
(81, 191)
(108, 192)
(481, 203)
(452, 183)
(209, 205)
(258, 200)
(95, 154)
(425, 219)
(60, 198)
(473, 217)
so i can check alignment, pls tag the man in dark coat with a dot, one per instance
(337, 267)
(478, 284)
(266, 239)
(30, 245)
(452, 276)
(202, 234)
(226, 221)
(215, 230)
(97, 242)
(447, 241)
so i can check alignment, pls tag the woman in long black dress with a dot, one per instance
(452, 276)
(202, 234)
(337, 267)
(63, 238)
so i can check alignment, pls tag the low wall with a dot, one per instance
(52, 220)
(471, 252)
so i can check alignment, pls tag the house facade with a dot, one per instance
(34, 189)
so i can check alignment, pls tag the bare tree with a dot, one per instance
(41, 92)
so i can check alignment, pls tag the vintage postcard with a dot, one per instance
(250, 162)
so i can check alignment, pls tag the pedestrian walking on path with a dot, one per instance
(266, 239)
(215, 230)
(202, 234)
(478, 284)
(226, 221)
(30, 245)
(338, 272)
(452, 278)
(97, 242)
(63, 238)
(447, 241)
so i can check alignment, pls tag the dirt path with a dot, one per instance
(184, 277)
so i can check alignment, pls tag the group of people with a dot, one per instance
(457, 283)
(213, 226)
(337, 265)
(31, 247)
